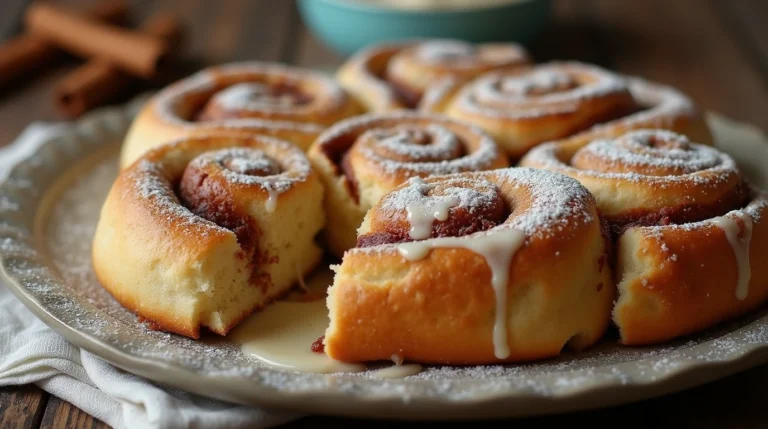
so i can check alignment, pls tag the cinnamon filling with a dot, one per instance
(207, 194)
(465, 215)
(337, 152)
(684, 213)
(209, 200)
(404, 143)
(351, 183)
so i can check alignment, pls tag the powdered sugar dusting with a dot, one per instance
(422, 159)
(150, 182)
(252, 96)
(652, 153)
(610, 158)
(275, 173)
(549, 89)
(83, 304)
(558, 202)
(328, 96)
(235, 163)
(417, 193)
(70, 292)
(440, 51)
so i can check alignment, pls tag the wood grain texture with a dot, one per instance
(716, 51)
(61, 414)
(22, 406)
(216, 32)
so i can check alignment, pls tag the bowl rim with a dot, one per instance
(357, 6)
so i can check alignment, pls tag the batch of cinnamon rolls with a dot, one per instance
(479, 207)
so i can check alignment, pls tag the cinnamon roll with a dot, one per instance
(202, 231)
(395, 75)
(689, 227)
(560, 100)
(473, 268)
(361, 159)
(286, 102)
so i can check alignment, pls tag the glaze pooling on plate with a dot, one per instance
(64, 288)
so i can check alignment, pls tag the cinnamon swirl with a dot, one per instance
(559, 100)
(395, 75)
(361, 159)
(287, 102)
(202, 231)
(473, 268)
(690, 229)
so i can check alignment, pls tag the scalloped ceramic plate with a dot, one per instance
(49, 206)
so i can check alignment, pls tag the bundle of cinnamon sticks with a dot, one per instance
(116, 57)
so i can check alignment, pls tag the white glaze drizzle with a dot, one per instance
(271, 203)
(740, 247)
(423, 213)
(498, 248)
(422, 216)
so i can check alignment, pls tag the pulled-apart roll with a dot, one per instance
(691, 231)
(362, 158)
(395, 75)
(203, 231)
(473, 268)
(559, 100)
(253, 98)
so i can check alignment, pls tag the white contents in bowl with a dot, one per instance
(437, 4)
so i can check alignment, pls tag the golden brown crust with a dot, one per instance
(647, 176)
(442, 308)
(361, 159)
(249, 98)
(565, 101)
(667, 200)
(393, 76)
(183, 271)
(678, 280)
(660, 107)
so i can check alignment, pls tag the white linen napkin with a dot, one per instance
(30, 352)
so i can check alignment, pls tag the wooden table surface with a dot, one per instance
(715, 51)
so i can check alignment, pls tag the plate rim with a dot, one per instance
(323, 401)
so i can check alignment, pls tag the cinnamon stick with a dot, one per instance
(26, 53)
(136, 53)
(99, 81)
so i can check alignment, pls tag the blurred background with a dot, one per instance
(715, 51)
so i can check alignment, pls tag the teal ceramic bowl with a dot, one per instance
(346, 26)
